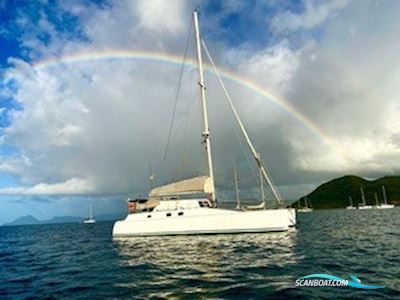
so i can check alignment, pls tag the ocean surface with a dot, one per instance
(76, 261)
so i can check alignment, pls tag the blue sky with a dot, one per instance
(74, 132)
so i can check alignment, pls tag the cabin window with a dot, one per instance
(204, 204)
(149, 216)
(168, 214)
(180, 213)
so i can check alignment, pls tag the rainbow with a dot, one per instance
(177, 60)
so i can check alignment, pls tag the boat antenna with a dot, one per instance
(256, 155)
(206, 132)
(238, 205)
(151, 175)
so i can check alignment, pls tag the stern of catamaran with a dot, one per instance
(292, 216)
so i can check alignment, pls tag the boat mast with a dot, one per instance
(262, 188)
(91, 210)
(236, 187)
(376, 199)
(206, 132)
(384, 194)
(363, 196)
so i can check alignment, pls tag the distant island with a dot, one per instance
(31, 220)
(335, 193)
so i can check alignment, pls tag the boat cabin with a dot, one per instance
(141, 205)
(152, 204)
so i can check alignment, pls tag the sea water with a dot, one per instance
(78, 261)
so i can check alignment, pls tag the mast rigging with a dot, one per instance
(256, 155)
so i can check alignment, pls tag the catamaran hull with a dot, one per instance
(89, 222)
(365, 207)
(385, 206)
(200, 221)
(305, 210)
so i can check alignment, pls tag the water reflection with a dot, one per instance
(212, 262)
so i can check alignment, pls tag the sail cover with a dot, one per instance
(201, 184)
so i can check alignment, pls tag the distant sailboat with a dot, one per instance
(384, 204)
(90, 220)
(307, 207)
(363, 203)
(351, 204)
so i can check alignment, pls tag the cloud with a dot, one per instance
(95, 126)
(345, 84)
(80, 120)
(72, 186)
(315, 13)
(14, 164)
(142, 24)
(272, 67)
(161, 16)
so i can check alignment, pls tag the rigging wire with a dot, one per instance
(254, 176)
(254, 173)
(257, 156)
(190, 115)
(177, 94)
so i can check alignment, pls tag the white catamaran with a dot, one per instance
(173, 209)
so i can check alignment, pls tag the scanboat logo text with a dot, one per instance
(333, 281)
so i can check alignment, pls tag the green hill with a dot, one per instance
(335, 193)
